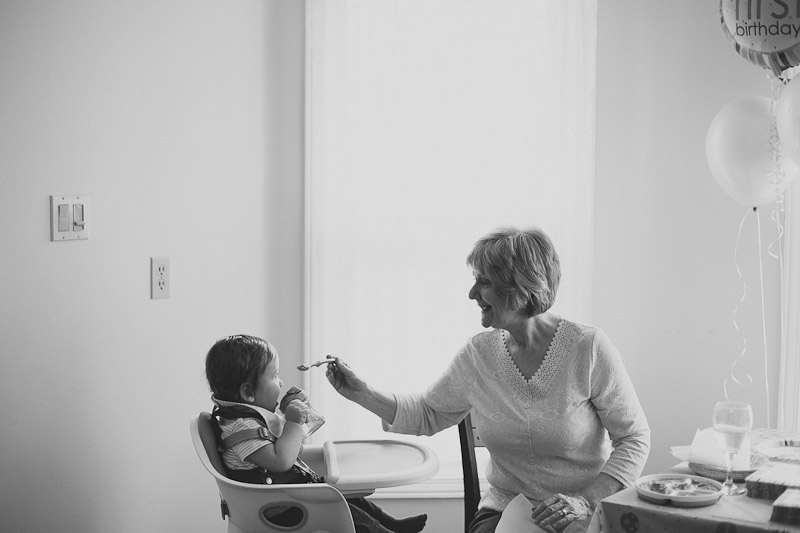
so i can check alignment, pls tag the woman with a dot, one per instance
(543, 391)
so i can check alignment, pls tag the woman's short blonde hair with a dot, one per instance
(523, 264)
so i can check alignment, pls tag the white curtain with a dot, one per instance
(789, 378)
(430, 123)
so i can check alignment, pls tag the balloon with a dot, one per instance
(740, 154)
(765, 32)
(788, 120)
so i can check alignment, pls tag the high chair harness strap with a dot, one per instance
(230, 413)
(243, 435)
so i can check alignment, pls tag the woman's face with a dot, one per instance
(495, 312)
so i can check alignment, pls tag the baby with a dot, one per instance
(258, 446)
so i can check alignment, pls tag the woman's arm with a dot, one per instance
(603, 485)
(620, 412)
(444, 403)
(351, 386)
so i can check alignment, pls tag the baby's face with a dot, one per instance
(268, 386)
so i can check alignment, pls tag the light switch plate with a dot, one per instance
(70, 227)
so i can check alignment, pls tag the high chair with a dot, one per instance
(317, 508)
(469, 439)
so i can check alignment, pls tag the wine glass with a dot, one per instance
(732, 423)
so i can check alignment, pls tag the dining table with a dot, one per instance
(627, 512)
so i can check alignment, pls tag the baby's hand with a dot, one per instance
(292, 394)
(297, 411)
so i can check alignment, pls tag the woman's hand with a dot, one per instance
(348, 384)
(345, 381)
(561, 510)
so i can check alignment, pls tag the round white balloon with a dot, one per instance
(740, 154)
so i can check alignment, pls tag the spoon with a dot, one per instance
(318, 363)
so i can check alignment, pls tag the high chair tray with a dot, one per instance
(366, 465)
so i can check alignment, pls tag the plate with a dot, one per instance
(757, 460)
(784, 451)
(679, 490)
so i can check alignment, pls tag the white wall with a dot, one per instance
(665, 278)
(183, 122)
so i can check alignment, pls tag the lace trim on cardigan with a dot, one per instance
(541, 383)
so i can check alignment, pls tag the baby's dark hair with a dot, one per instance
(235, 360)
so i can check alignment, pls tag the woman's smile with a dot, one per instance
(490, 303)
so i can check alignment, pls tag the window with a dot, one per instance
(430, 123)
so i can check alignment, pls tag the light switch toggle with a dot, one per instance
(78, 219)
(63, 217)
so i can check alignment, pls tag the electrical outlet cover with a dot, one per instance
(159, 277)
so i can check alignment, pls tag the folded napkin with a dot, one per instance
(705, 450)
(772, 479)
(787, 507)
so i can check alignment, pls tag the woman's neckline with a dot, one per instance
(546, 358)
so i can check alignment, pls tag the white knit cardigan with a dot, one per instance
(576, 417)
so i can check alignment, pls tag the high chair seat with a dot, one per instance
(317, 508)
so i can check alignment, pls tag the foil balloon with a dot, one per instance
(765, 32)
(741, 156)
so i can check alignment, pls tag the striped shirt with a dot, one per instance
(235, 457)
